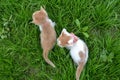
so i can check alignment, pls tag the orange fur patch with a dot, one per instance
(39, 17)
(63, 38)
(79, 70)
(82, 56)
(48, 34)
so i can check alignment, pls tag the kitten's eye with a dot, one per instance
(59, 42)
(37, 18)
(70, 41)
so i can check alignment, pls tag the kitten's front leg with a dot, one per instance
(53, 24)
(40, 27)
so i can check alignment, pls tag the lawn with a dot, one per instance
(97, 22)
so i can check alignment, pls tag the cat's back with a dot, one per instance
(48, 30)
(79, 47)
(48, 35)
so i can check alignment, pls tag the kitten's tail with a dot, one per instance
(79, 69)
(45, 56)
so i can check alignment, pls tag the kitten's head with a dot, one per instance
(66, 39)
(39, 16)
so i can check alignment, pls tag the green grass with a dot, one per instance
(21, 53)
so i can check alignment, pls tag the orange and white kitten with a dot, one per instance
(48, 34)
(78, 49)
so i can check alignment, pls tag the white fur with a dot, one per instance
(52, 23)
(70, 41)
(75, 49)
(59, 42)
(40, 27)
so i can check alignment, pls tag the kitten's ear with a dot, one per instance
(64, 30)
(41, 8)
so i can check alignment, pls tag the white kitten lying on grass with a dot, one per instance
(78, 49)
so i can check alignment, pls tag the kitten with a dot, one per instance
(48, 34)
(78, 49)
